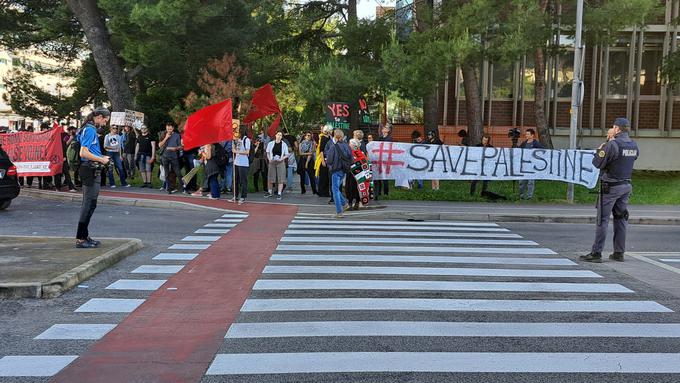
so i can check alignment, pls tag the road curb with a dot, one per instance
(66, 281)
(118, 201)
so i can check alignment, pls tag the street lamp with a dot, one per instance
(576, 88)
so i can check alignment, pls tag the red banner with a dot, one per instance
(34, 154)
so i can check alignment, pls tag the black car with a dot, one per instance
(9, 182)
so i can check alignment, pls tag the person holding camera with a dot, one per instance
(526, 187)
(615, 159)
(91, 164)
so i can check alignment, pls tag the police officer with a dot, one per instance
(615, 160)
(91, 163)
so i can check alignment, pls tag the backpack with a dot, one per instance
(73, 152)
(220, 155)
(345, 162)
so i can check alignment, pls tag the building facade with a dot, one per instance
(620, 80)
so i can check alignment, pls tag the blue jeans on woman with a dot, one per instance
(214, 186)
(338, 198)
(118, 163)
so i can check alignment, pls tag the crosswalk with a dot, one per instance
(142, 280)
(365, 300)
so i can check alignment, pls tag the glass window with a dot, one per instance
(565, 74)
(650, 72)
(618, 73)
(502, 81)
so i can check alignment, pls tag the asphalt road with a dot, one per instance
(22, 320)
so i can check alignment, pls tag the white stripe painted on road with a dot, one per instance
(201, 238)
(363, 284)
(451, 329)
(411, 304)
(136, 284)
(418, 249)
(109, 305)
(34, 365)
(415, 229)
(669, 260)
(421, 258)
(189, 246)
(175, 256)
(76, 331)
(235, 215)
(415, 240)
(389, 233)
(391, 222)
(223, 225)
(445, 271)
(211, 231)
(234, 221)
(158, 269)
(499, 362)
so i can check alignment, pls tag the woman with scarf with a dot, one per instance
(320, 167)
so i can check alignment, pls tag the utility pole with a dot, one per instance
(576, 88)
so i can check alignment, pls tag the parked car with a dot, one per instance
(9, 182)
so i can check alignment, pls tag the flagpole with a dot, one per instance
(284, 123)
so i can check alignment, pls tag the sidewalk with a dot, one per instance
(387, 209)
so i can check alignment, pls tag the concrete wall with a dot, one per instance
(655, 153)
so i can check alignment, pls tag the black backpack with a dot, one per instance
(73, 151)
(220, 155)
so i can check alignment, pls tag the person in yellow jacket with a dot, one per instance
(320, 168)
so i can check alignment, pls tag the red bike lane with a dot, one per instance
(175, 334)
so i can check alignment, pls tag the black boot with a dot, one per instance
(616, 256)
(593, 256)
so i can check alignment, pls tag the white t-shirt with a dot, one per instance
(242, 159)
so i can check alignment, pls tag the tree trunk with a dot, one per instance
(90, 18)
(539, 92)
(539, 100)
(431, 112)
(473, 104)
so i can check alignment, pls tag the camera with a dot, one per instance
(514, 133)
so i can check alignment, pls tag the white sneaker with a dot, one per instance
(241, 201)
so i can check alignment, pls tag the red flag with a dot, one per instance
(263, 104)
(209, 125)
(271, 132)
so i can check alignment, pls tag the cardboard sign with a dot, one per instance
(117, 119)
(337, 114)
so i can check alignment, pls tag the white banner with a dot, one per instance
(33, 167)
(402, 162)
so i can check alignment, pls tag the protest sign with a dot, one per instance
(402, 162)
(134, 119)
(337, 114)
(117, 119)
(34, 154)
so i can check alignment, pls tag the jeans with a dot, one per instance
(242, 181)
(214, 186)
(338, 198)
(90, 195)
(172, 173)
(228, 177)
(290, 171)
(118, 164)
(129, 164)
(526, 189)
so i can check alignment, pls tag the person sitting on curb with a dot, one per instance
(338, 159)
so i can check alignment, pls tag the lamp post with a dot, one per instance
(576, 88)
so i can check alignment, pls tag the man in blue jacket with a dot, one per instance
(338, 159)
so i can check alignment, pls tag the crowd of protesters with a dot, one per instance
(273, 163)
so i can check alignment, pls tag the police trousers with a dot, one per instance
(615, 202)
(91, 176)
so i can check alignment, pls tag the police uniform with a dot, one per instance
(615, 160)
